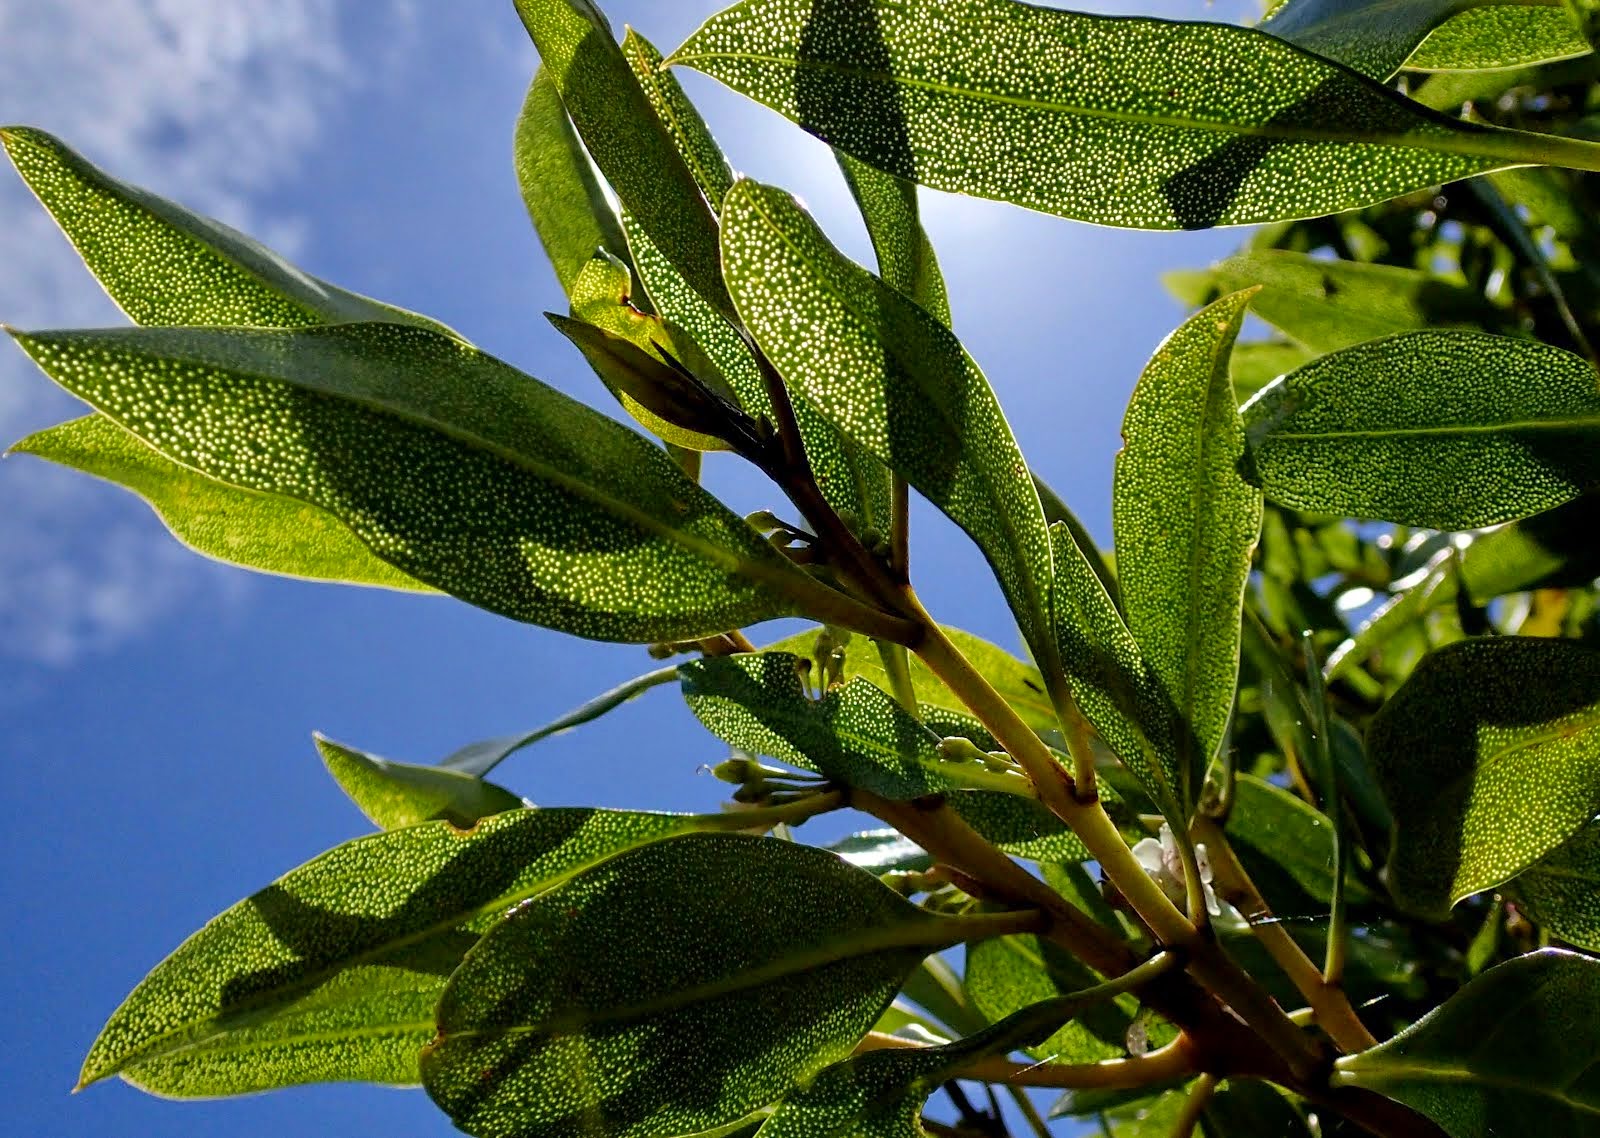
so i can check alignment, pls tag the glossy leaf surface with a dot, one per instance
(905, 255)
(1488, 757)
(1120, 121)
(1285, 835)
(1325, 305)
(894, 380)
(165, 264)
(621, 132)
(1517, 1044)
(566, 201)
(332, 972)
(517, 499)
(1007, 974)
(1186, 524)
(395, 794)
(1561, 891)
(266, 532)
(1375, 37)
(666, 993)
(1449, 430)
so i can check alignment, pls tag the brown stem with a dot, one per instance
(1171, 1062)
(1328, 1001)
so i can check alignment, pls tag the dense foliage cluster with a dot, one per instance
(1287, 826)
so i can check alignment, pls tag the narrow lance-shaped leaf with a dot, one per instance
(332, 972)
(266, 532)
(1556, 549)
(1414, 597)
(1375, 37)
(1449, 430)
(482, 757)
(566, 200)
(516, 498)
(1561, 891)
(1490, 758)
(682, 121)
(1516, 1046)
(1326, 305)
(1125, 121)
(674, 989)
(1186, 523)
(895, 381)
(395, 794)
(165, 264)
(1111, 680)
(1283, 835)
(905, 255)
(627, 141)
(1498, 36)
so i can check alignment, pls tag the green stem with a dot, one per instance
(900, 528)
(898, 668)
(1193, 1106)
(1333, 967)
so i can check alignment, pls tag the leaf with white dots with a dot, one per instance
(674, 989)
(855, 734)
(1378, 37)
(1325, 305)
(894, 380)
(1554, 550)
(1129, 121)
(165, 264)
(1512, 1053)
(455, 468)
(1449, 430)
(1499, 36)
(633, 150)
(394, 794)
(566, 200)
(1186, 523)
(905, 255)
(332, 972)
(1561, 891)
(682, 121)
(266, 532)
(1489, 756)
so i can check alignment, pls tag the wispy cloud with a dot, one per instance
(214, 102)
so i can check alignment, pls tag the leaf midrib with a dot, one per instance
(1391, 1071)
(1589, 421)
(914, 931)
(1479, 141)
(1043, 638)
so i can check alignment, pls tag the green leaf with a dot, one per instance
(1515, 1047)
(882, 851)
(683, 123)
(1019, 683)
(1415, 596)
(1498, 36)
(1449, 430)
(1135, 122)
(332, 972)
(1325, 305)
(633, 149)
(481, 757)
(1007, 974)
(905, 255)
(1561, 891)
(395, 794)
(1152, 1117)
(1243, 1108)
(517, 498)
(165, 264)
(855, 734)
(1488, 756)
(266, 532)
(1186, 523)
(1273, 829)
(1374, 37)
(1555, 549)
(1111, 680)
(673, 989)
(880, 1094)
(566, 201)
(1057, 512)
(894, 380)
(1257, 363)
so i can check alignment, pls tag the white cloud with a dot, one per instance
(213, 102)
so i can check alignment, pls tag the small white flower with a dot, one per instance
(1162, 860)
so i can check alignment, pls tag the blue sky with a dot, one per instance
(156, 709)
